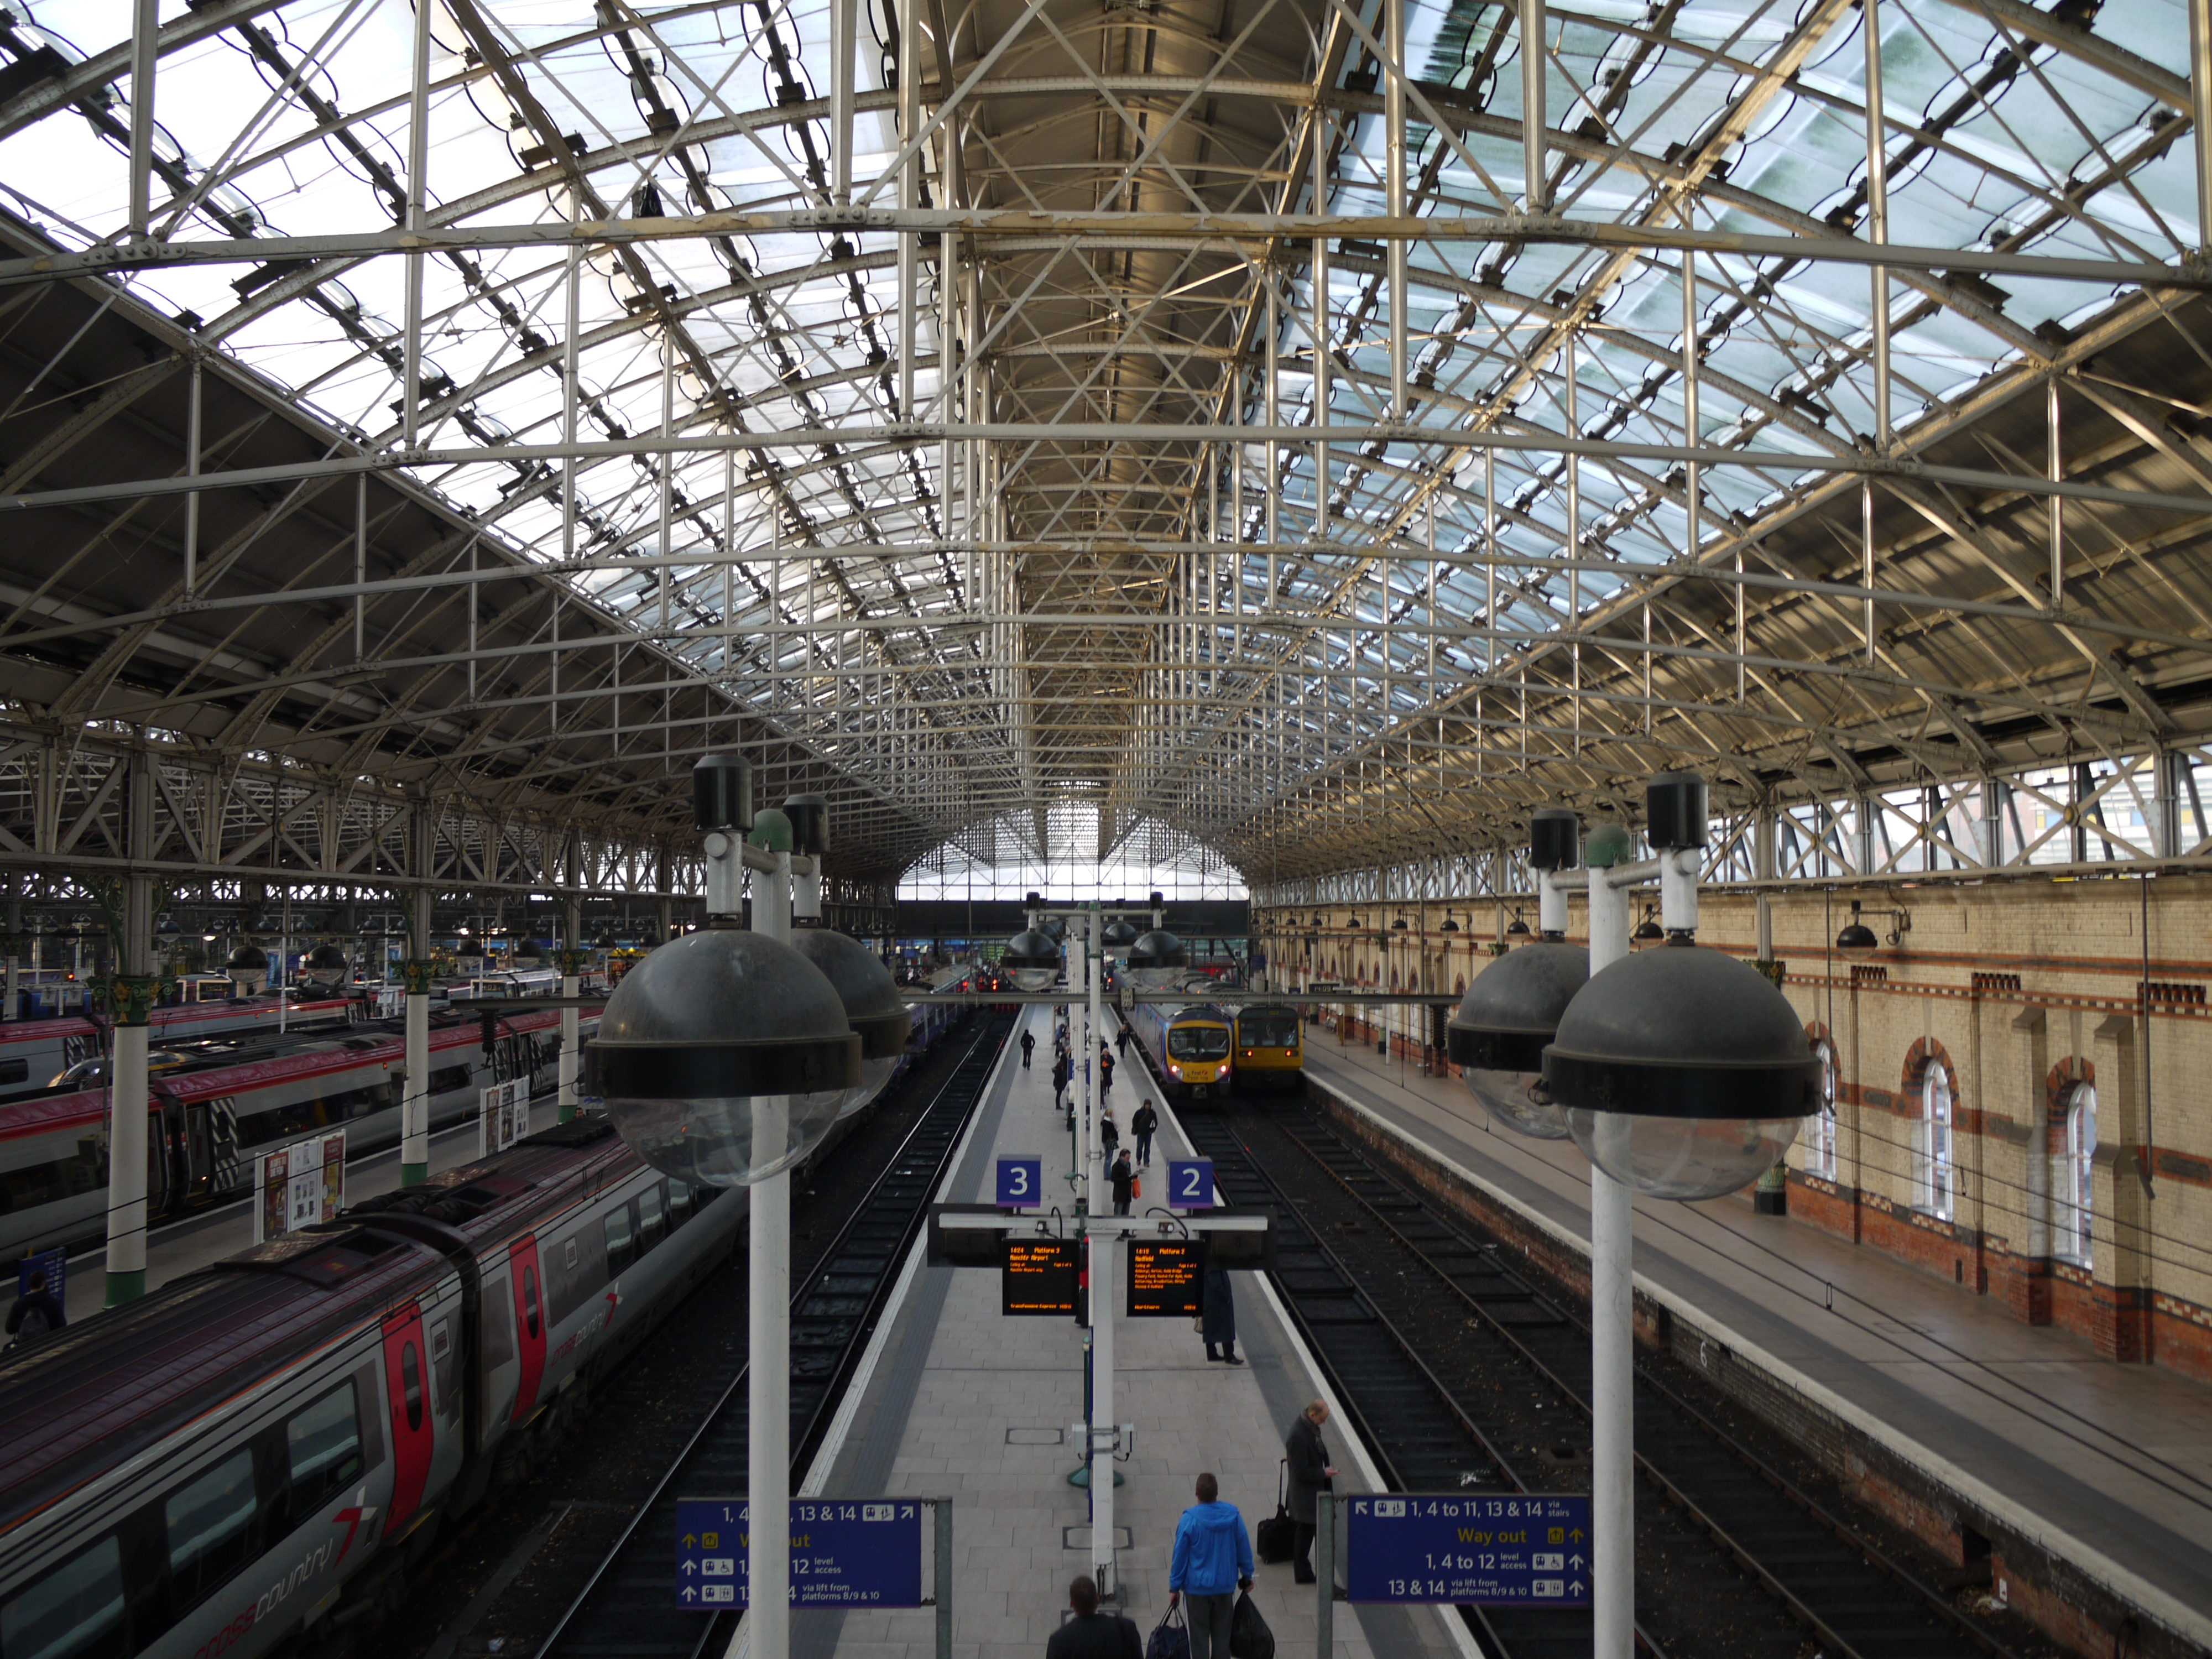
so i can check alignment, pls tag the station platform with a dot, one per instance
(2105, 1468)
(182, 1246)
(955, 1400)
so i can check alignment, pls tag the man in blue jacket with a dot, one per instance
(1212, 1561)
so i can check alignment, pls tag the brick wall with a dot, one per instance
(2020, 992)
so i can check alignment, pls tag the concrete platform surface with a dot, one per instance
(966, 1403)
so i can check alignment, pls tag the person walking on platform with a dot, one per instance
(1212, 1560)
(1121, 1039)
(37, 1311)
(1028, 1047)
(1092, 1634)
(1105, 1066)
(1311, 1475)
(1216, 1316)
(1125, 1181)
(1142, 1124)
(1109, 1136)
(1059, 1084)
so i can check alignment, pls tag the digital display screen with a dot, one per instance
(1037, 1276)
(1166, 1277)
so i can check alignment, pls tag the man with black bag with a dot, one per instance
(1311, 1474)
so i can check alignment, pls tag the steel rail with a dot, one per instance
(1743, 1553)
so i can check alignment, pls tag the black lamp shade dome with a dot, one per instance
(877, 1013)
(1684, 1032)
(248, 958)
(1497, 1035)
(1119, 935)
(1158, 956)
(1033, 958)
(326, 959)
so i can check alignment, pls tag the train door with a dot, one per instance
(160, 1163)
(199, 1150)
(529, 1322)
(414, 1435)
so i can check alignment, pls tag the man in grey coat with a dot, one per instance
(1311, 1474)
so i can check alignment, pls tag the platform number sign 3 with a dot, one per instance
(1190, 1183)
(1021, 1182)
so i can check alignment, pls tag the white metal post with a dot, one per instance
(2200, 109)
(572, 1031)
(767, 1368)
(1103, 1247)
(415, 1089)
(1612, 1337)
(127, 1167)
(1532, 105)
(418, 166)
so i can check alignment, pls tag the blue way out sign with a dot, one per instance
(845, 1552)
(1516, 1550)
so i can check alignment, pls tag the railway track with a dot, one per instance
(1462, 1374)
(626, 1605)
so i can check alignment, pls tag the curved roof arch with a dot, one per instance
(1181, 410)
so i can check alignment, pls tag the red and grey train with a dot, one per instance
(34, 1052)
(253, 1458)
(213, 1101)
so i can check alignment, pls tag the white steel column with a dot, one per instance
(1103, 1246)
(414, 1090)
(768, 1364)
(1613, 1341)
(1877, 232)
(572, 985)
(133, 991)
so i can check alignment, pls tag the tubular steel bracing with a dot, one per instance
(1309, 431)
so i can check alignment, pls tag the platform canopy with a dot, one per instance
(1286, 425)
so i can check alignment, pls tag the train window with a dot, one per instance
(447, 1078)
(323, 1443)
(1198, 1043)
(211, 1530)
(15, 1071)
(679, 1204)
(622, 1240)
(1269, 1031)
(76, 1611)
(411, 1384)
(652, 1217)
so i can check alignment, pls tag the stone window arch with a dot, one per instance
(1934, 1147)
(1820, 1129)
(2072, 1136)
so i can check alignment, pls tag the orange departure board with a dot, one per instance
(1036, 1276)
(1165, 1277)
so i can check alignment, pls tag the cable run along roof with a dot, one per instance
(972, 462)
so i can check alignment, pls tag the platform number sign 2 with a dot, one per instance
(1190, 1183)
(1021, 1182)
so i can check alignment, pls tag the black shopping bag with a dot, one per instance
(1248, 1635)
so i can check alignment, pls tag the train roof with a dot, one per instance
(93, 1396)
(1199, 1010)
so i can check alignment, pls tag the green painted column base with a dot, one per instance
(125, 1287)
(1080, 1476)
(570, 1111)
(414, 1175)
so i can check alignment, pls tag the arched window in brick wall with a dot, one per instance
(2072, 1172)
(1820, 1132)
(1936, 1173)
